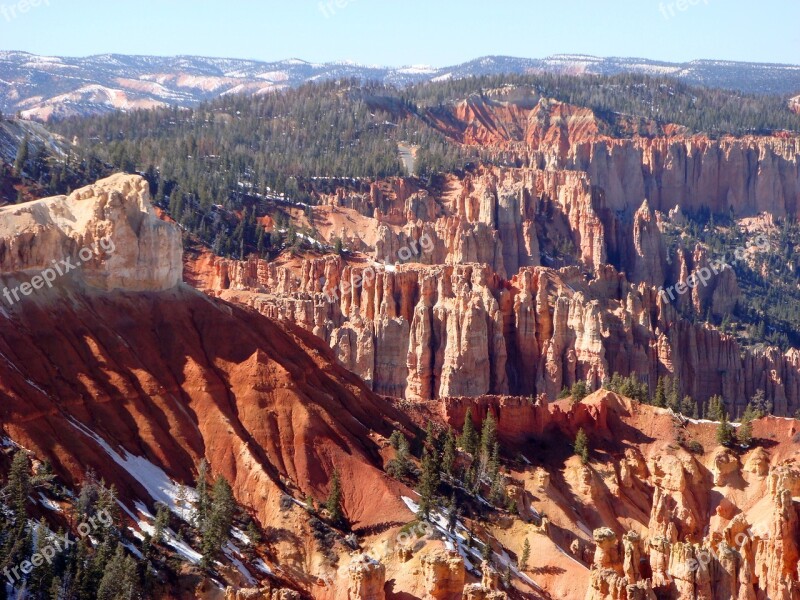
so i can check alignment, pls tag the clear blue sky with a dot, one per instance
(405, 32)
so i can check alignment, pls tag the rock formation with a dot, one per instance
(106, 234)
(367, 579)
(443, 574)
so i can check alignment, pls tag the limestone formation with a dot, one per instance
(367, 579)
(443, 574)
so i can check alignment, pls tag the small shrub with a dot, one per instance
(696, 447)
(581, 446)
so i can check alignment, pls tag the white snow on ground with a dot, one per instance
(241, 536)
(458, 541)
(262, 566)
(707, 422)
(132, 549)
(170, 539)
(183, 549)
(230, 550)
(48, 504)
(153, 479)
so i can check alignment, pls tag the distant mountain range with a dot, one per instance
(43, 87)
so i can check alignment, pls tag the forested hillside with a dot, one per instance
(225, 155)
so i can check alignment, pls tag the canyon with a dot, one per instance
(121, 363)
(477, 297)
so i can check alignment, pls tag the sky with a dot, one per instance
(407, 32)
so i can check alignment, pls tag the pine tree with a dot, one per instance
(41, 578)
(581, 446)
(428, 484)
(725, 432)
(120, 580)
(660, 398)
(162, 522)
(203, 499)
(220, 520)
(578, 391)
(469, 440)
(716, 409)
(400, 466)
(526, 555)
(22, 155)
(761, 406)
(452, 514)
(488, 434)
(689, 407)
(744, 433)
(432, 444)
(449, 453)
(674, 394)
(486, 552)
(333, 503)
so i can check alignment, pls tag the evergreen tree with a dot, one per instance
(581, 446)
(486, 552)
(41, 577)
(488, 434)
(19, 488)
(220, 520)
(400, 466)
(162, 522)
(449, 453)
(689, 407)
(716, 409)
(760, 405)
(469, 440)
(452, 514)
(333, 504)
(428, 484)
(744, 433)
(203, 498)
(526, 555)
(660, 398)
(674, 394)
(578, 391)
(22, 155)
(725, 431)
(120, 580)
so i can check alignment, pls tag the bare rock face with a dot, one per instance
(106, 234)
(443, 573)
(779, 557)
(606, 554)
(725, 465)
(473, 312)
(432, 332)
(649, 251)
(367, 579)
(606, 584)
(476, 591)
(632, 555)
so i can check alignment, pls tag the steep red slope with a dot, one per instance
(174, 377)
(121, 369)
